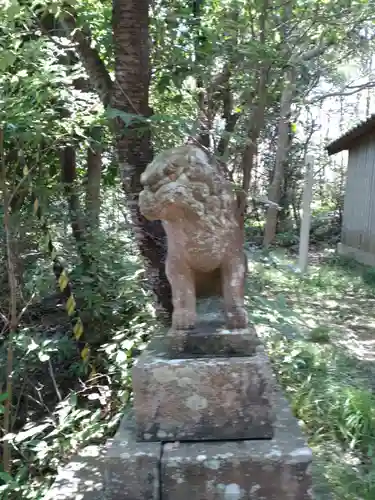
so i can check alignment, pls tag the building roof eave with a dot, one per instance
(347, 140)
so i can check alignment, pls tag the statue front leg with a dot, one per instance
(181, 279)
(233, 276)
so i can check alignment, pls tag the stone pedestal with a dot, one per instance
(275, 469)
(203, 398)
(210, 338)
(132, 469)
(211, 398)
(267, 469)
(208, 423)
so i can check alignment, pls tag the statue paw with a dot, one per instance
(237, 318)
(183, 320)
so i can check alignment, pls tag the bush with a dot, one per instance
(59, 404)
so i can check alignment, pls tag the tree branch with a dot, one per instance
(310, 54)
(349, 90)
(90, 58)
(230, 125)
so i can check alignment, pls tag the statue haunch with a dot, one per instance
(197, 206)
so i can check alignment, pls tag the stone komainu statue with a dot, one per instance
(188, 192)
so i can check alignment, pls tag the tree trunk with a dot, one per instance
(255, 127)
(204, 115)
(288, 186)
(283, 129)
(257, 117)
(94, 175)
(68, 177)
(274, 192)
(130, 95)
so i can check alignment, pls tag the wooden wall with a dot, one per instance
(358, 227)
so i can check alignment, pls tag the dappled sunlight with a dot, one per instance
(348, 317)
(361, 349)
(319, 330)
(82, 476)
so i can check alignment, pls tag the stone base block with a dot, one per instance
(212, 339)
(277, 469)
(132, 469)
(210, 336)
(202, 398)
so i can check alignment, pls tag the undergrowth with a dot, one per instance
(308, 323)
(307, 327)
(58, 408)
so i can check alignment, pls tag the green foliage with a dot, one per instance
(330, 388)
(66, 411)
(287, 238)
(325, 229)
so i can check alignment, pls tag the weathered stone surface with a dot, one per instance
(132, 469)
(277, 469)
(202, 398)
(210, 338)
(82, 478)
(187, 190)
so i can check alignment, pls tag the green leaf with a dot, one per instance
(32, 346)
(6, 477)
(163, 83)
(127, 118)
(13, 9)
(121, 357)
(7, 59)
(43, 356)
(177, 99)
(22, 74)
(3, 397)
(25, 435)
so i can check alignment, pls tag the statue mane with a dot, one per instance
(187, 177)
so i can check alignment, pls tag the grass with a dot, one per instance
(319, 333)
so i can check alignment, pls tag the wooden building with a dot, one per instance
(358, 224)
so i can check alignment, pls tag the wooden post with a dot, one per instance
(306, 214)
